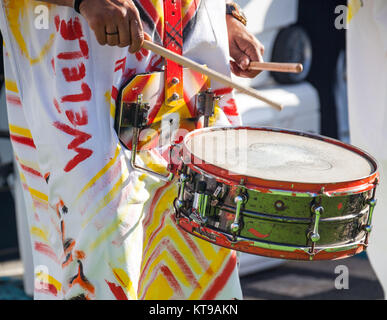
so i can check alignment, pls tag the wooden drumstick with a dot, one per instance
(185, 62)
(276, 67)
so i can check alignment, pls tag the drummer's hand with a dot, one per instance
(244, 48)
(119, 17)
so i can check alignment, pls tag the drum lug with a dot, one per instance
(201, 200)
(182, 181)
(313, 235)
(372, 203)
(240, 200)
(179, 202)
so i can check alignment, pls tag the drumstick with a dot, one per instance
(185, 62)
(276, 67)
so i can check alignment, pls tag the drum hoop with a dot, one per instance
(266, 185)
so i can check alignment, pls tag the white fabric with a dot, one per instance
(367, 93)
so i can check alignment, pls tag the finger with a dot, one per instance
(254, 50)
(136, 32)
(240, 58)
(112, 36)
(137, 35)
(124, 33)
(100, 35)
(235, 69)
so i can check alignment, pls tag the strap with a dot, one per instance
(173, 40)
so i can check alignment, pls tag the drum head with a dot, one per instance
(277, 155)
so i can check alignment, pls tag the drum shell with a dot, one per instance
(285, 218)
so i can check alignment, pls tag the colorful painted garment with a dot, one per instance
(99, 229)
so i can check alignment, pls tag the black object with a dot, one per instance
(77, 3)
(292, 44)
(1, 63)
(317, 18)
(9, 248)
(4, 134)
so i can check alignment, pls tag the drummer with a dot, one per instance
(99, 229)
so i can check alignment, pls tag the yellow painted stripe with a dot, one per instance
(204, 281)
(100, 173)
(20, 131)
(182, 247)
(353, 8)
(108, 99)
(46, 278)
(206, 248)
(122, 214)
(125, 282)
(112, 110)
(166, 259)
(30, 164)
(22, 177)
(11, 86)
(40, 233)
(37, 194)
(107, 198)
(105, 234)
(159, 288)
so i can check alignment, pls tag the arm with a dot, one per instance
(114, 22)
(244, 48)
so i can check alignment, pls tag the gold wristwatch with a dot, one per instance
(235, 10)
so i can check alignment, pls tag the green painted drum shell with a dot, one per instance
(285, 218)
(291, 232)
(287, 204)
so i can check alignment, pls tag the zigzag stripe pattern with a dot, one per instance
(176, 265)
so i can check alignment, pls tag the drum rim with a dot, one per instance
(344, 187)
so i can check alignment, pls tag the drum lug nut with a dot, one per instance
(314, 236)
(239, 200)
(372, 204)
(234, 227)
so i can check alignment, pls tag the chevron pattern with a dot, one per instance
(176, 265)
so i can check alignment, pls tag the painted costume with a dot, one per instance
(99, 229)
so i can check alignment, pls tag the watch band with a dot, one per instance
(235, 10)
(77, 3)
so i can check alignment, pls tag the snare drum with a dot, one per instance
(276, 193)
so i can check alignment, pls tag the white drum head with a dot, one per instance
(278, 156)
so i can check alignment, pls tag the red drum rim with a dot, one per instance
(264, 185)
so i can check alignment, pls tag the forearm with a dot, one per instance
(67, 3)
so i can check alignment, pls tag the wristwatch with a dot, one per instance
(235, 10)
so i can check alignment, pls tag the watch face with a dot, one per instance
(235, 10)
